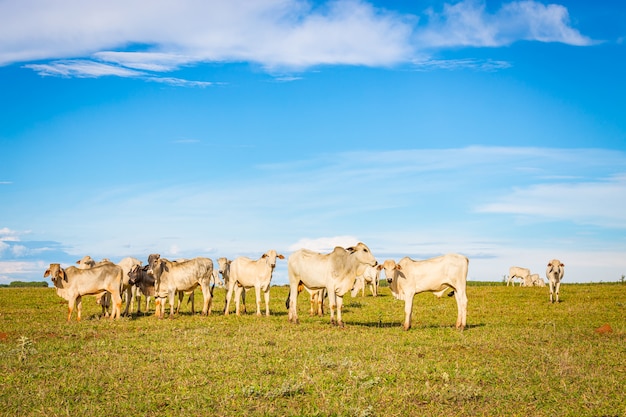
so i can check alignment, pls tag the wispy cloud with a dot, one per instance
(468, 24)
(599, 202)
(81, 69)
(278, 35)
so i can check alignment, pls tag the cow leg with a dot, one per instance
(172, 295)
(257, 292)
(558, 285)
(408, 310)
(193, 302)
(238, 291)
(229, 295)
(461, 305)
(293, 306)
(332, 302)
(266, 294)
(243, 302)
(339, 308)
(129, 295)
(208, 300)
(79, 307)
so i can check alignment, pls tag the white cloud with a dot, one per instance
(8, 235)
(90, 39)
(81, 69)
(467, 23)
(599, 203)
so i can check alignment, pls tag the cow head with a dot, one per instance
(86, 262)
(135, 274)
(270, 256)
(362, 254)
(56, 273)
(391, 268)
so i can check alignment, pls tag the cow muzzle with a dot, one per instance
(389, 280)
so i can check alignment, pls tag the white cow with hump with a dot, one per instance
(335, 271)
(408, 277)
(73, 283)
(554, 273)
(246, 273)
(171, 277)
(517, 272)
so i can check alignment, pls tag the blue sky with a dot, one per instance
(195, 128)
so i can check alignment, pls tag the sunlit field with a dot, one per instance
(519, 355)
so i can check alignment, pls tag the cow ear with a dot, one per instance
(562, 264)
(350, 249)
(64, 275)
(281, 257)
(45, 274)
(398, 267)
(264, 255)
(549, 264)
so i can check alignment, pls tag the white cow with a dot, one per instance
(246, 273)
(127, 264)
(102, 299)
(369, 277)
(223, 265)
(517, 272)
(538, 281)
(73, 283)
(171, 277)
(335, 272)
(408, 277)
(554, 273)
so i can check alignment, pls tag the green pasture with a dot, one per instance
(519, 356)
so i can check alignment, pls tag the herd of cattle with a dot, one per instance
(328, 275)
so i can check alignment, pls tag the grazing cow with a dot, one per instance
(537, 281)
(73, 283)
(369, 277)
(171, 277)
(554, 273)
(143, 282)
(246, 273)
(517, 272)
(335, 272)
(436, 275)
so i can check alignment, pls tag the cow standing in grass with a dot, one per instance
(554, 273)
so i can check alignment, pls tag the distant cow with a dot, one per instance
(518, 272)
(409, 277)
(536, 281)
(171, 277)
(73, 283)
(554, 273)
(335, 271)
(246, 273)
(369, 278)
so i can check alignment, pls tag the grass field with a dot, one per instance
(520, 355)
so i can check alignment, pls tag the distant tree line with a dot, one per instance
(25, 284)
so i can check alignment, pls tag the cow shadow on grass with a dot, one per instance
(413, 327)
